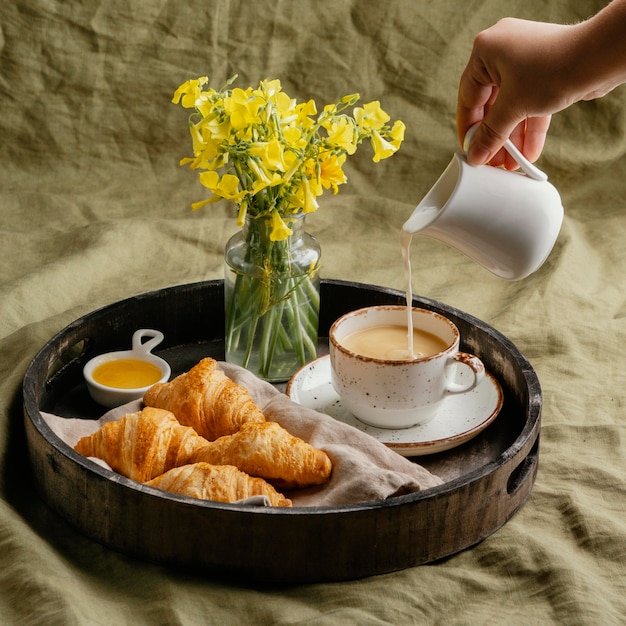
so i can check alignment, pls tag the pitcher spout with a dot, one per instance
(435, 200)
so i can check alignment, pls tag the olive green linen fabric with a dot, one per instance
(95, 208)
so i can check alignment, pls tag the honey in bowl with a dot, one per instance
(389, 342)
(127, 374)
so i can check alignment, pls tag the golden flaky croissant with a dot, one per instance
(142, 445)
(207, 400)
(222, 483)
(267, 450)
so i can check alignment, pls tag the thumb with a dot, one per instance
(490, 136)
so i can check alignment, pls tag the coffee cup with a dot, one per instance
(385, 384)
(508, 222)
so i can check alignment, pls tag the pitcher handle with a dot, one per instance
(527, 167)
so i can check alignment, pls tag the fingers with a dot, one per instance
(477, 93)
(535, 136)
(487, 143)
(500, 122)
(529, 136)
(480, 100)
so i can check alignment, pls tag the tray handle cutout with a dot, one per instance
(519, 475)
(69, 358)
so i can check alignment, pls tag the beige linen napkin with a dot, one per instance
(364, 469)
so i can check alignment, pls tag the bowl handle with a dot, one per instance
(156, 337)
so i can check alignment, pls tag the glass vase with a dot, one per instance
(272, 298)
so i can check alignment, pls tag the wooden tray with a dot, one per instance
(486, 480)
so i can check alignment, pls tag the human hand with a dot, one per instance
(514, 80)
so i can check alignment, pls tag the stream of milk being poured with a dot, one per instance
(405, 242)
(420, 218)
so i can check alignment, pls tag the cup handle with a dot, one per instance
(474, 364)
(156, 337)
(526, 166)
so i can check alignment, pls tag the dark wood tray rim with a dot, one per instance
(533, 410)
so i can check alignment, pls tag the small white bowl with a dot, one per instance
(111, 397)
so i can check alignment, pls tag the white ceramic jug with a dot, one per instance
(508, 222)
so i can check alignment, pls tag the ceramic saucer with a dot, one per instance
(459, 418)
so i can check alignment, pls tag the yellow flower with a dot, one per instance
(189, 92)
(283, 103)
(302, 115)
(270, 87)
(280, 230)
(293, 136)
(204, 150)
(382, 148)
(350, 99)
(216, 130)
(243, 107)
(271, 155)
(226, 186)
(263, 177)
(206, 102)
(342, 134)
(331, 172)
(397, 133)
(370, 117)
(293, 163)
(198, 205)
(306, 196)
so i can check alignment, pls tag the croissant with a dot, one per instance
(222, 483)
(207, 400)
(267, 450)
(142, 445)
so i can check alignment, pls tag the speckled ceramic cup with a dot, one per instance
(399, 393)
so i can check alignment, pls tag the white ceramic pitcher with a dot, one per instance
(508, 222)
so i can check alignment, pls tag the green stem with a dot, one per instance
(272, 304)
